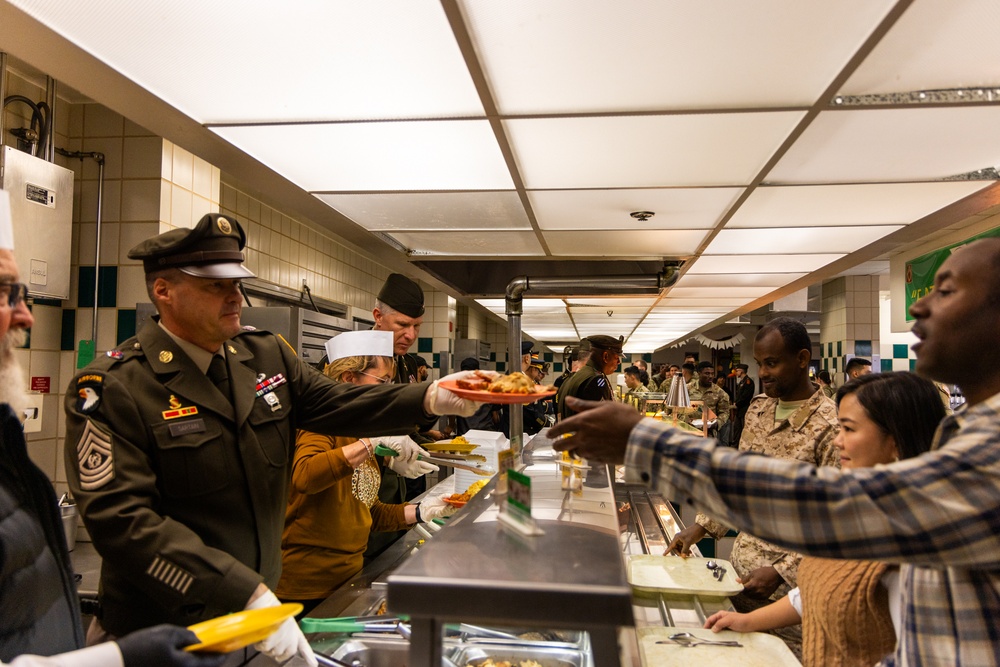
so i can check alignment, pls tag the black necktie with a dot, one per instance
(218, 375)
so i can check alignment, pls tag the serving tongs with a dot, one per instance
(486, 471)
(382, 623)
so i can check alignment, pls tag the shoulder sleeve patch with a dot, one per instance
(95, 457)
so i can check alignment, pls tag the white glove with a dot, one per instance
(285, 642)
(439, 401)
(406, 464)
(434, 507)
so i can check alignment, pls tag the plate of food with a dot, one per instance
(506, 389)
(239, 630)
(458, 444)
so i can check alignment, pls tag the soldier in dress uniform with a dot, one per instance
(533, 417)
(591, 382)
(179, 443)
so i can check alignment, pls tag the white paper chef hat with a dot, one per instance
(359, 344)
(6, 223)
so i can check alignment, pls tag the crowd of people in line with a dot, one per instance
(210, 463)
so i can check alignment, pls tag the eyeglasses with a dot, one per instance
(14, 293)
(379, 378)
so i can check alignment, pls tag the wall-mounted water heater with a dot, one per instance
(41, 202)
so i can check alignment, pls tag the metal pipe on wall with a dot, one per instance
(99, 158)
(50, 121)
(564, 287)
(3, 93)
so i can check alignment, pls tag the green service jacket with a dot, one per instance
(587, 383)
(184, 492)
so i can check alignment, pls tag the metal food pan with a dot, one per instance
(546, 657)
(517, 635)
(374, 653)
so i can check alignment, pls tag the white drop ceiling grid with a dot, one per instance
(526, 129)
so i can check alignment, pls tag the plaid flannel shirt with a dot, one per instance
(937, 515)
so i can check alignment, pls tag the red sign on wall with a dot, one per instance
(41, 384)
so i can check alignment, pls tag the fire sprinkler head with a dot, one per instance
(642, 216)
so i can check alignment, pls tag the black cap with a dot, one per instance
(742, 367)
(402, 294)
(211, 250)
(526, 346)
(536, 361)
(469, 364)
(606, 343)
(421, 361)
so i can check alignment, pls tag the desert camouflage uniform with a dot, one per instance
(807, 435)
(714, 397)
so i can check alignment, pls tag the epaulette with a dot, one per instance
(127, 350)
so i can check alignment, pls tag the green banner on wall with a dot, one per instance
(920, 271)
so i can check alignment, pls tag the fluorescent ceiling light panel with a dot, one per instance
(571, 54)
(933, 45)
(527, 305)
(737, 280)
(547, 334)
(716, 292)
(628, 243)
(647, 151)
(623, 302)
(877, 144)
(796, 239)
(855, 204)
(675, 208)
(729, 264)
(418, 155)
(472, 244)
(429, 211)
(256, 60)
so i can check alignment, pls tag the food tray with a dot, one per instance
(673, 574)
(494, 397)
(572, 639)
(546, 657)
(758, 650)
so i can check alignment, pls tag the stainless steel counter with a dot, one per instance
(478, 571)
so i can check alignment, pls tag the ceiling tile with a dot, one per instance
(647, 151)
(761, 263)
(419, 155)
(872, 268)
(832, 205)
(472, 244)
(720, 302)
(933, 45)
(675, 208)
(876, 144)
(628, 243)
(571, 54)
(262, 61)
(796, 239)
(736, 280)
(429, 211)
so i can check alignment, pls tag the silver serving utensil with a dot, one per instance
(688, 639)
(711, 565)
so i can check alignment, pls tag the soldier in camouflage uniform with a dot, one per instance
(794, 420)
(703, 388)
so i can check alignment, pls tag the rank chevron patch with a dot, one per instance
(95, 457)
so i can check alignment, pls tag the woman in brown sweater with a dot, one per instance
(849, 610)
(335, 480)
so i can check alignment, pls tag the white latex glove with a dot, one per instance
(434, 507)
(439, 401)
(406, 464)
(285, 642)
